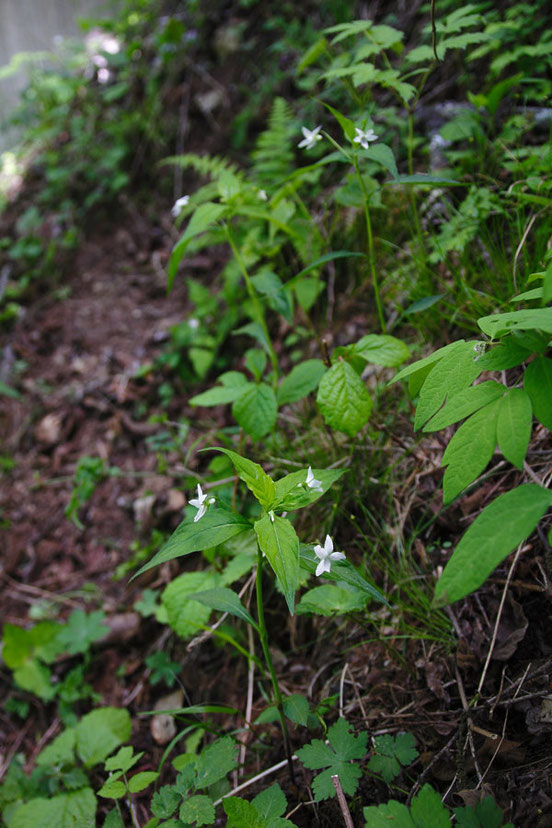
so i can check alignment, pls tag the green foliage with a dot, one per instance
(392, 753)
(337, 758)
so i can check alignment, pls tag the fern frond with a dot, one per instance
(211, 166)
(273, 156)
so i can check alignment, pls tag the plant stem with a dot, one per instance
(263, 635)
(256, 304)
(371, 252)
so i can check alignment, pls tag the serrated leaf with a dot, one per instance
(123, 760)
(470, 450)
(343, 399)
(113, 789)
(214, 528)
(271, 802)
(537, 382)
(241, 814)
(405, 749)
(215, 762)
(301, 380)
(456, 370)
(81, 631)
(386, 766)
(513, 427)
(291, 491)
(279, 542)
(100, 732)
(466, 402)
(500, 527)
(256, 409)
(203, 217)
(296, 708)
(344, 746)
(66, 810)
(381, 350)
(253, 475)
(485, 814)
(224, 600)
(427, 809)
(198, 809)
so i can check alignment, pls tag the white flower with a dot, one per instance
(199, 503)
(179, 204)
(193, 323)
(262, 196)
(312, 482)
(311, 137)
(326, 555)
(364, 136)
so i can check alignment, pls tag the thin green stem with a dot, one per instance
(256, 304)
(263, 635)
(371, 252)
(413, 206)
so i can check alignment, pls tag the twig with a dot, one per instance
(498, 619)
(249, 703)
(14, 748)
(424, 774)
(466, 707)
(254, 779)
(347, 819)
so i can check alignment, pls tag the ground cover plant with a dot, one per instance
(276, 396)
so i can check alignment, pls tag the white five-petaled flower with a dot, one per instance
(364, 136)
(326, 555)
(262, 196)
(311, 136)
(199, 503)
(179, 204)
(312, 482)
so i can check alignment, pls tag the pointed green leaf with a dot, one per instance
(140, 781)
(100, 732)
(383, 155)
(329, 599)
(255, 410)
(296, 708)
(343, 399)
(455, 371)
(271, 802)
(428, 361)
(464, 403)
(538, 319)
(341, 572)
(224, 600)
(301, 380)
(382, 350)
(280, 544)
(505, 355)
(538, 384)
(513, 428)
(205, 215)
(253, 475)
(219, 395)
(291, 491)
(500, 527)
(215, 527)
(198, 809)
(470, 450)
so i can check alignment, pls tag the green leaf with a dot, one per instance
(60, 751)
(429, 361)
(464, 403)
(36, 678)
(537, 382)
(219, 395)
(383, 155)
(392, 753)
(81, 630)
(185, 615)
(301, 380)
(100, 732)
(224, 600)
(113, 789)
(485, 814)
(343, 399)
(271, 802)
(505, 355)
(427, 811)
(215, 761)
(203, 217)
(291, 491)
(241, 814)
(198, 809)
(8, 391)
(341, 571)
(255, 361)
(255, 410)
(329, 599)
(123, 760)
(214, 528)
(327, 257)
(346, 124)
(255, 478)
(279, 542)
(381, 350)
(513, 428)
(307, 291)
(66, 810)
(296, 708)
(455, 371)
(270, 285)
(539, 319)
(500, 527)
(140, 781)
(337, 756)
(470, 450)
